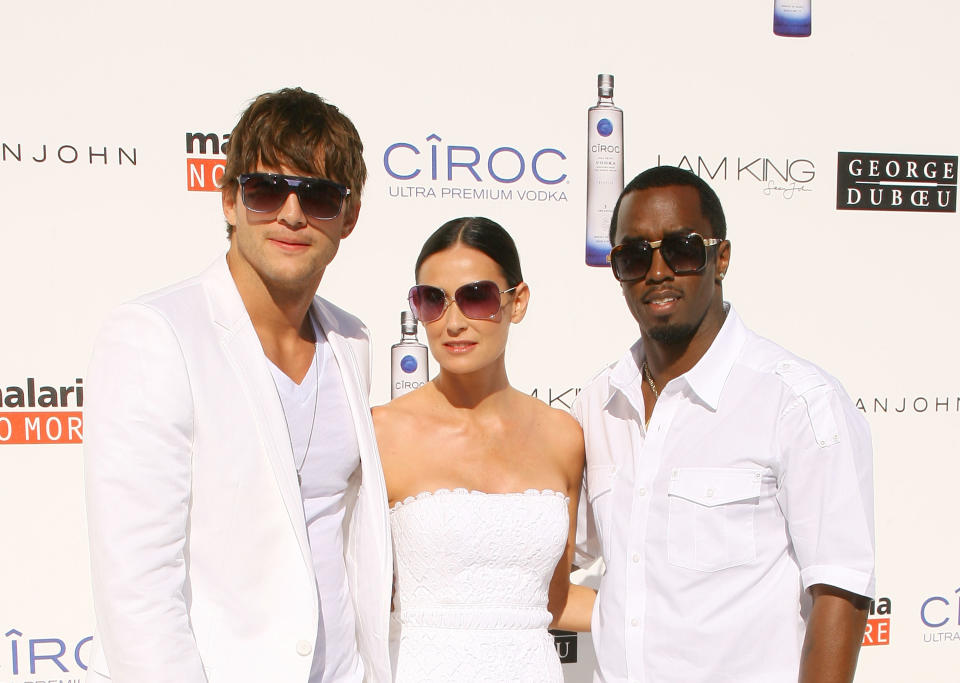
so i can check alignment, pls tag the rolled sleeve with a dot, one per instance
(137, 464)
(826, 489)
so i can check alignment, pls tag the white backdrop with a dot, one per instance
(98, 103)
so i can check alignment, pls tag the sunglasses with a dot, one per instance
(476, 300)
(685, 254)
(266, 192)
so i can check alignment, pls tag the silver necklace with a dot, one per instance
(649, 378)
(313, 420)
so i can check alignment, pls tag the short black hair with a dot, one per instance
(478, 233)
(664, 176)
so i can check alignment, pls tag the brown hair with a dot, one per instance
(296, 129)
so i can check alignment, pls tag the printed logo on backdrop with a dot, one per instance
(556, 398)
(451, 168)
(869, 181)
(940, 617)
(35, 413)
(206, 161)
(566, 644)
(67, 154)
(932, 404)
(877, 631)
(47, 657)
(786, 177)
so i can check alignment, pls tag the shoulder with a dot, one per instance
(557, 430)
(402, 416)
(334, 318)
(811, 398)
(796, 375)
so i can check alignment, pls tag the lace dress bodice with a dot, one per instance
(473, 571)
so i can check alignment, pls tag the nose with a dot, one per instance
(659, 270)
(291, 214)
(454, 320)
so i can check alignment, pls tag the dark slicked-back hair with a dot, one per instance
(299, 130)
(664, 176)
(477, 233)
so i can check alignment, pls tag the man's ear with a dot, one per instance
(350, 221)
(228, 198)
(723, 259)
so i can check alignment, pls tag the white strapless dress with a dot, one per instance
(473, 570)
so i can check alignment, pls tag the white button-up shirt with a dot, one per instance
(752, 482)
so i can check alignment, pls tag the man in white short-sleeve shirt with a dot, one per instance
(729, 482)
(237, 512)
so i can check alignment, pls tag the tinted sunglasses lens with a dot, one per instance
(478, 300)
(631, 261)
(264, 194)
(426, 302)
(684, 253)
(320, 200)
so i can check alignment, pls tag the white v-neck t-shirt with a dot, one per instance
(325, 459)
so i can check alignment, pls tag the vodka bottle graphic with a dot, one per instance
(408, 359)
(604, 169)
(791, 18)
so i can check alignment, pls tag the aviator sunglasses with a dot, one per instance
(266, 192)
(476, 300)
(683, 253)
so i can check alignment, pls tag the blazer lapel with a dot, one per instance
(242, 348)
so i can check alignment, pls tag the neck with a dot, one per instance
(279, 315)
(668, 360)
(484, 389)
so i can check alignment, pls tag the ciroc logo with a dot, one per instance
(940, 614)
(408, 364)
(604, 127)
(869, 181)
(46, 656)
(464, 171)
(206, 161)
(51, 423)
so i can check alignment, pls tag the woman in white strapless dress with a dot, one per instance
(483, 482)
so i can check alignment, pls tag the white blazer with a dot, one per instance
(198, 544)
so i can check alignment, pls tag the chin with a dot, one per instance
(671, 333)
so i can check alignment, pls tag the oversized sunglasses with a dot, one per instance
(476, 300)
(266, 192)
(683, 253)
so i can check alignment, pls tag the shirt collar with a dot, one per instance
(706, 378)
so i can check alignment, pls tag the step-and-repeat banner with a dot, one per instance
(835, 156)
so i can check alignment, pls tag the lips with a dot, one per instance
(292, 245)
(662, 300)
(459, 346)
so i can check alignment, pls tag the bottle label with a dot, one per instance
(408, 368)
(604, 178)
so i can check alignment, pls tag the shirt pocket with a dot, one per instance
(710, 517)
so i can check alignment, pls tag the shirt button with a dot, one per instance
(710, 493)
(641, 492)
(636, 557)
(634, 622)
(304, 647)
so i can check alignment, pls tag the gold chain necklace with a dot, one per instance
(649, 378)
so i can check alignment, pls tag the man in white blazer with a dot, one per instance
(236, 505)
